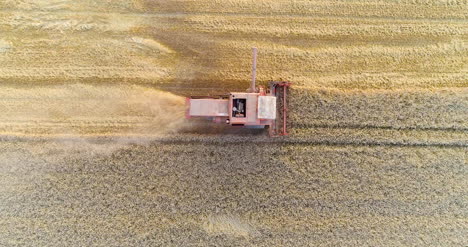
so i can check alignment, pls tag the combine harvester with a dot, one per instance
(256, 108)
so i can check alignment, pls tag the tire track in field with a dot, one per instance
(320, 143)
(231, 141)
(236, 14)
(382, 127)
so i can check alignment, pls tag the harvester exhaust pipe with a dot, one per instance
(252, 88)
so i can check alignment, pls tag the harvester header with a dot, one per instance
(256, 108)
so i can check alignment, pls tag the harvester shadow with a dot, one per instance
(205, 127)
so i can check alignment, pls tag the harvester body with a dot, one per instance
(256, 108)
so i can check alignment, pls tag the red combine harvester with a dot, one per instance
(256, 108)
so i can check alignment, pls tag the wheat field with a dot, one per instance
(95, 151)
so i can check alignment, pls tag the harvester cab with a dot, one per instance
(259, 107)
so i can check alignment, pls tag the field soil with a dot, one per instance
(95, 151)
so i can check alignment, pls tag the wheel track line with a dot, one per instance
(318, 143)
(231, 140)
(184, 14)
(364, 127)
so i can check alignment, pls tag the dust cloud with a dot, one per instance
(77, 112)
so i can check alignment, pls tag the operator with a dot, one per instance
(241, 107)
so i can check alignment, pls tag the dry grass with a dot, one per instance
(196, 192)
(444, 108)
(230, 225)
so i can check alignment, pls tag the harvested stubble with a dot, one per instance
(80, 109)
(184, 45)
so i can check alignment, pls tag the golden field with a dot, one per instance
(94, 149)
